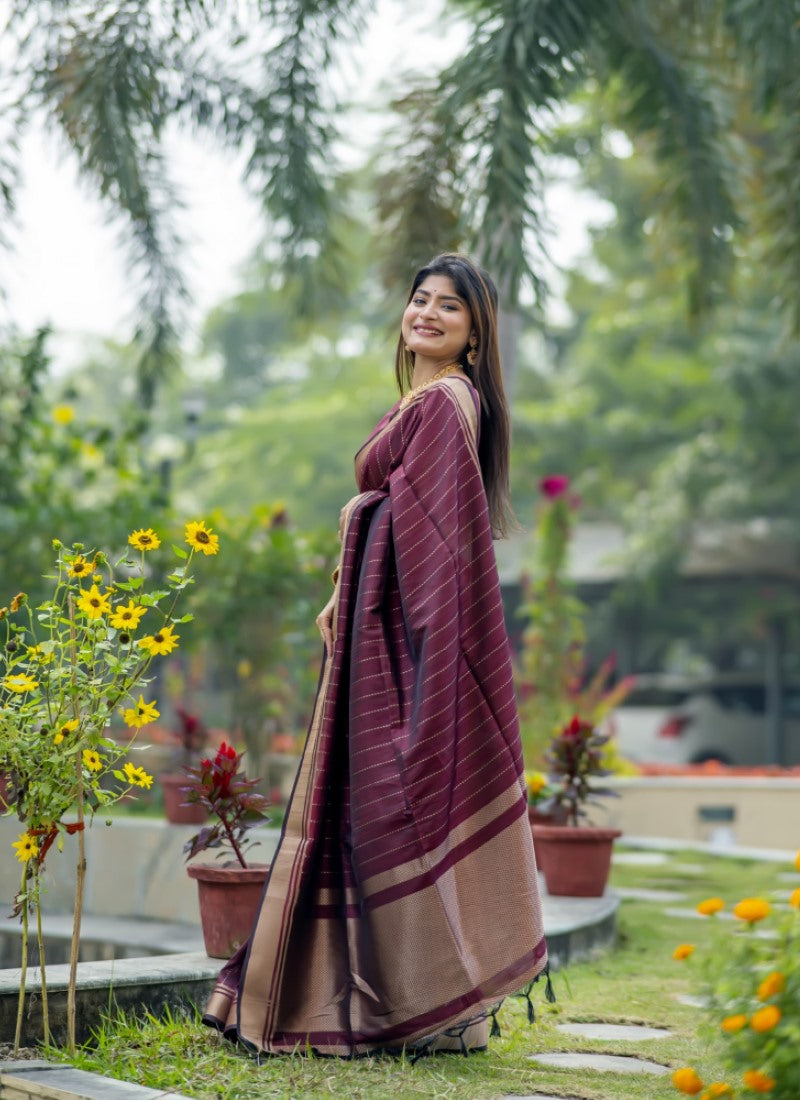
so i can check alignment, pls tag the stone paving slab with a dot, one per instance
(732, 851)
(134, 933)
(636, 893)
(602, 1063)
(691, 1001)
(51, 1081)
(639, 859)
(692, 914)
(617, 1032)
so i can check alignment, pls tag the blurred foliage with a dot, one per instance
(259, 635)
(61, 468)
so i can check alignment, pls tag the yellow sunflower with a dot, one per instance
(142, 714)
(37, 653)
(127, 617)
(20, 682)
(80, 567)
(200, 538)
(144, 539)
(94, 604)
(65, 729)
(137, 777)
(63, 414)
(26, 847)
(160, 643)
(91, 760)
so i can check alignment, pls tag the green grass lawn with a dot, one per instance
(636, 983)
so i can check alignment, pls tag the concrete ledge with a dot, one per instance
(39, 1080)
(134, 868)
(130, 984)
(751, 811)
(579, 928)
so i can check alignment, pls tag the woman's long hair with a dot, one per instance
(480, 295)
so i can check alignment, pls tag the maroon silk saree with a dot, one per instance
(402, 899)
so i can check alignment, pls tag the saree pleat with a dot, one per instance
(403, 896)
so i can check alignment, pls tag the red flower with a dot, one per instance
(554, 486)
(576, 728)
(225, 752)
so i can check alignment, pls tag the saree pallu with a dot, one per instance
(403, 896)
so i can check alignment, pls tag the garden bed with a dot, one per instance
(639, 983)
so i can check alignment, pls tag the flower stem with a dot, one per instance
(40, 942)
(232, 839)
(81, 868)
(24, 961)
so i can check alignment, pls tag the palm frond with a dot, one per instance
(419, 198)
(780, 203)
(767, 39)
(102, 84)
(673, 103)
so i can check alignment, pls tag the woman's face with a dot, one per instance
(437, 323)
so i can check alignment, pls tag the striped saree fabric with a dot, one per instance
(402, 899)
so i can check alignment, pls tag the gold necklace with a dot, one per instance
(442, 373)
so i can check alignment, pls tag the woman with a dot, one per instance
(402, 903)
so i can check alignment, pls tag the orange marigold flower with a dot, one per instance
(794, 898)
(715, 1089)
(752, 909)
(710, 906)
(758, 1081)
(772, 984)
(686, 1080)
(797, 861)
(766, 1018)
(683, 951)
(735, 1023)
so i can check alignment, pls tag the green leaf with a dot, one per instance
(181, 553)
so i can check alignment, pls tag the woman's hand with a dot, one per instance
(325, 624)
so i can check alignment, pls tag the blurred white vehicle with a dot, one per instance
(677, 720)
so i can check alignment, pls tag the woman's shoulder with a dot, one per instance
(459, 389)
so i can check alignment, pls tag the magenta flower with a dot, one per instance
(554, 486)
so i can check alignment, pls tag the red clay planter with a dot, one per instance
(574, 859)
(174, 810)
(229, 897)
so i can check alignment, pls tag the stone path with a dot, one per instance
(603, 1063)
(633, 893)
(606, 1062)
(629, 1032)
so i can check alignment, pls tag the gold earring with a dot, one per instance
(472, 354)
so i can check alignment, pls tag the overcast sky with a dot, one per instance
(68, 269)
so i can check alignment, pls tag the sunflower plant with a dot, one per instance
(67, 667)
(751, 989)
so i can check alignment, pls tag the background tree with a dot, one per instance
(113, 80)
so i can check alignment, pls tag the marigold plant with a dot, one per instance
(751, 987)
(67, 667)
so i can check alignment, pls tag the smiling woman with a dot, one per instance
(402, 903)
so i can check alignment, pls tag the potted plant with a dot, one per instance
(229, 894)
(542, 807)
(190, 736)
(575, 859)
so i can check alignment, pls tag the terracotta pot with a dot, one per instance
(174, 811)
(229, 897)
(574, 859)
